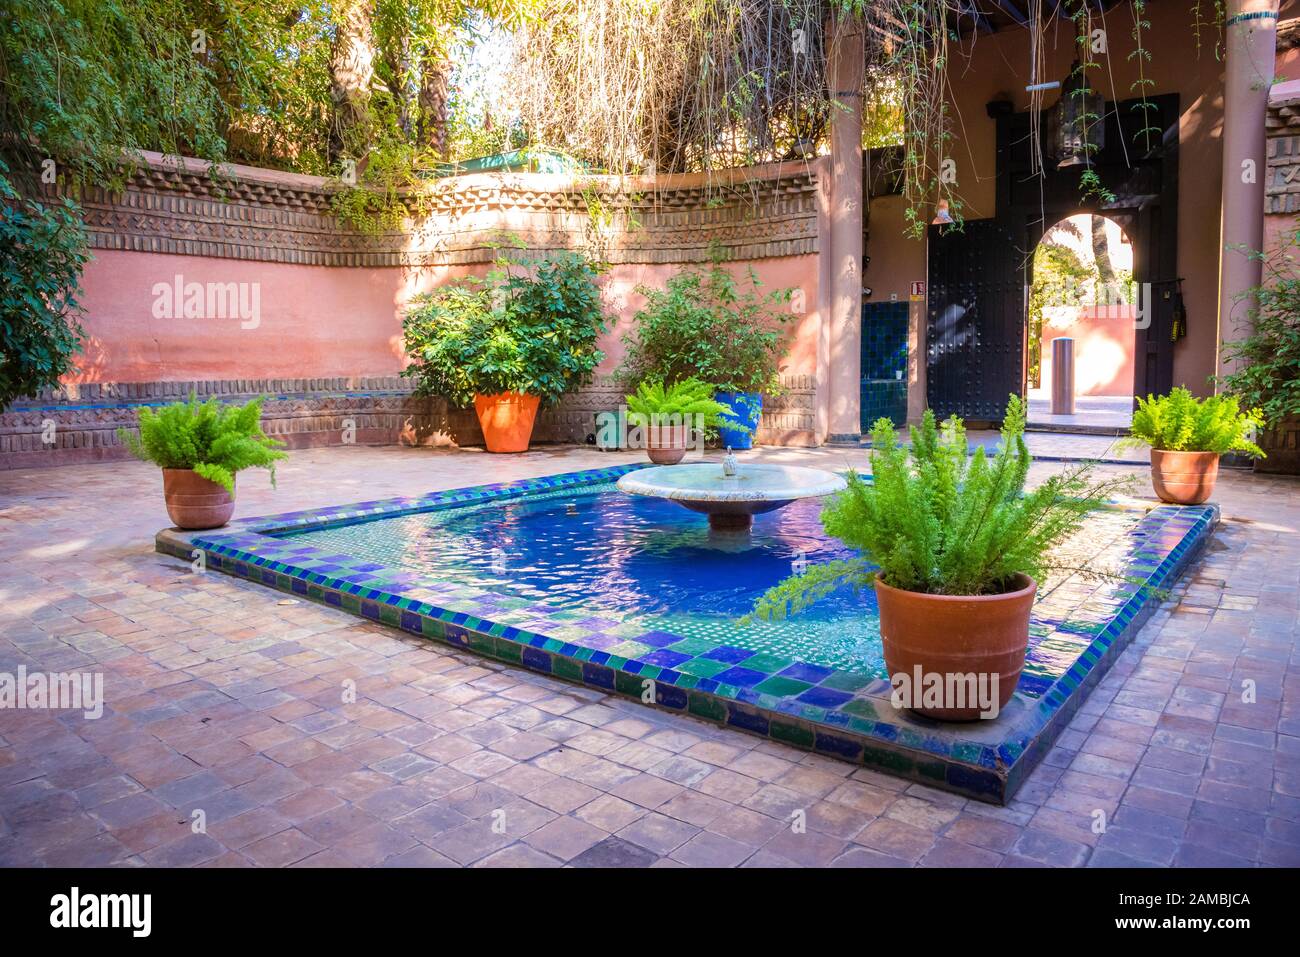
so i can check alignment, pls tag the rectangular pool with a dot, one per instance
(568, 576)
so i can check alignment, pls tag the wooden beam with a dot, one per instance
(1014, 12)
(982, 22)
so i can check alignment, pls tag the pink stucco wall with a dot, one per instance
(1103, 350)
(320, 321)
(314, 321)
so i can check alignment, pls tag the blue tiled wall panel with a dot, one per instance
(884, 362)
(885, 398)
(884, 340)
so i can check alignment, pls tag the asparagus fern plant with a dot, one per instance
(1180, 422)
(213, 439)
(935, 519)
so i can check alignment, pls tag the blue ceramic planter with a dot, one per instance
(746, 408)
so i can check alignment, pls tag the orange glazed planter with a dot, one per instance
(1184, 478)
(957, 635)
(194, 502)
(507, 420)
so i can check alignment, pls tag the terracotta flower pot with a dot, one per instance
(666, 444)
(1184, 478)
(980, 635)
(193, 502)
(507, 420)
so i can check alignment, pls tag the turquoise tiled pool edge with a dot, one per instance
(818, 708)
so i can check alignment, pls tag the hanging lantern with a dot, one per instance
(1076, 126)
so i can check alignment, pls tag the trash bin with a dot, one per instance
(1063, 376)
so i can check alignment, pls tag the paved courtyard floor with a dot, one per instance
(224, 708)
(1090, 411)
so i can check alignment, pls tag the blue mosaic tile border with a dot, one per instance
(831, 712)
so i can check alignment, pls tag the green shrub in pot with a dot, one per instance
(707, 325)
(523, 335)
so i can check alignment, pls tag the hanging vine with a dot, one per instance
(1090, 184)
(1143, 84)
(657, 86)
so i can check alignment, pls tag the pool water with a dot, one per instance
(630, 564)
(600, 551)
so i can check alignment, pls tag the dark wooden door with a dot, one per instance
(1138, 167)
(975, 323)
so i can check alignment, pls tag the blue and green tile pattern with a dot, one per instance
(822, 709)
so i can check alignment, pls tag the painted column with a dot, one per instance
(845, 68)
(1250, 48)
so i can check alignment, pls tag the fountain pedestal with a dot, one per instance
(731, 500)
(726, 522)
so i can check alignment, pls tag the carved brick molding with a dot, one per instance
(1281, 446)
(175, 206)
(1288, 34)
(74, 425)
(1282, 184)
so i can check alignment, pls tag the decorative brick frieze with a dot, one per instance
(176, 208)
(1281, 446)
(1282, 182)
(78, 424)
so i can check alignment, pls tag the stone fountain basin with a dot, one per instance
(754, 489)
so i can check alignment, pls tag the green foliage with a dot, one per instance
(87, 81)
(213, 439)
(1180, 422)
(1091, 186)
(42, 249)
(1063, 278)
(1269, 375)
(1059, 280)
(938, 521)
(83, 81)
(378, 203)
(681, 401)
(703, 324)
(533, 332)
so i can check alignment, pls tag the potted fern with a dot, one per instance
(200, 448)
(1187, 435)
(954, 547)
(670, 415)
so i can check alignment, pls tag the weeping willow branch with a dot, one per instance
(675, 85)
(659, 86)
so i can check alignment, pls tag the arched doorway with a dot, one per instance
(978, 275)
(1082, 288)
